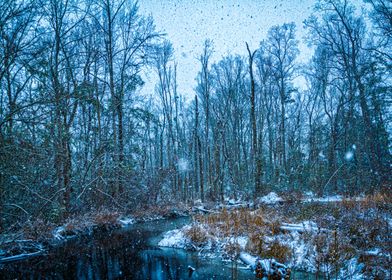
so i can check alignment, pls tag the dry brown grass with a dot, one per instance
(38, 230)
(231, 250)
(236, 222)
(278, 251)
(332, 248)
(292, 197)
(106, 219)
(244, 222)
(252, 224)
(348, 227)
(255, 244)
(197, 235)
(371, 201)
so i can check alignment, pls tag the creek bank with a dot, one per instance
(124, 253)
(38, 238)
(341, 238)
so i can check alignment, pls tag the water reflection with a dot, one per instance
(123, 254)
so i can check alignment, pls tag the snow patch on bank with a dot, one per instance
(126, 221)
(58, 233)
(240, 240)
(352, 270)
(175, 239)
(332, 198)
(271, 198)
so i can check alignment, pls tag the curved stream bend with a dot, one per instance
(129, 253)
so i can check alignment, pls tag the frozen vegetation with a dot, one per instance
(347, 238)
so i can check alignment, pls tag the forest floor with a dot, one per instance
(349, 238)
(343, 238)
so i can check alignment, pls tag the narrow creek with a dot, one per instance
(128, 253)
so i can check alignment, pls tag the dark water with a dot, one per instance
(129, 253)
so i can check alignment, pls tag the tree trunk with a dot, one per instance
(120, 164)
(255, 153)
(198, 157)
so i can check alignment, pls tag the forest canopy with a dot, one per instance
(77, 133)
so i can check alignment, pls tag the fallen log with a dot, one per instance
(302, 227)
(202, 209)
(266, 268)
(20, 257)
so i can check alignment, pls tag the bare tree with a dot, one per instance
(255, 152)
(283, 48)
(342, 33)
(203, 90)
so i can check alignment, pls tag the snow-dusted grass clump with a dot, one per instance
(270, 198)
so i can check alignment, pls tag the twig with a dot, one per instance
(18, 206)
(330, 178)
(85, 187)
(114, 200)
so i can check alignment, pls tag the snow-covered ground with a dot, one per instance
(299, 238)
(175, 238)
(270, 198)
(220, 247)
(273, 198)
(126, 221)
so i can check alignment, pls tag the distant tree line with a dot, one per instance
(76, 134)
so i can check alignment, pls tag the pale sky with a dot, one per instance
(228, 23)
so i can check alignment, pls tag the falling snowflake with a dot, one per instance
(349, 155)
(183, 165)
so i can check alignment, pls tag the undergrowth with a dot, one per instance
(346, 229)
